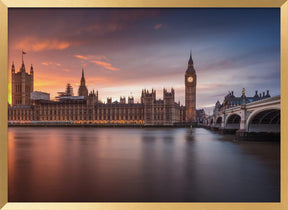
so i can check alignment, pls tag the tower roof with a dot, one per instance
(13, 67)
(190, 59)
(82, 77)
(82, 91)
(23, 68)
(190, 64)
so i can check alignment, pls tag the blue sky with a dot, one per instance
(125, 50)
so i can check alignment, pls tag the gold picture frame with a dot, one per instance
(5, 4)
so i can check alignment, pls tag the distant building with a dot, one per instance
(38, 95)
(86, 108)
(200, 115)
(68, 94)
(230, 100)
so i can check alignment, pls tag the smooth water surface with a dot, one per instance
(140, 164)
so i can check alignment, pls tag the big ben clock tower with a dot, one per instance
(190, 92)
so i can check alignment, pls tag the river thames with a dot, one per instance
(140, 164)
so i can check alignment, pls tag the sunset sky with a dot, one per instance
(125, 50)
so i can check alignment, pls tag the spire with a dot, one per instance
(83, 78)
(31, 69)
(256, 94)
(190, 62)
(13, 67)
(82, 91)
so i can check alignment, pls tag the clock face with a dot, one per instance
(190, 79)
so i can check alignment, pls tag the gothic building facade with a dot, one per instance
(87, 108)
(22, 85)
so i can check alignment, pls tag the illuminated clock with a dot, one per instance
(190, 79)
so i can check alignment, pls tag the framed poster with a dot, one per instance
(114, 94)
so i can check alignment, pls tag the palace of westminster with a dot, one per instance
(29, 105)
(36, 107)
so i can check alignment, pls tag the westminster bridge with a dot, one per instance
(261, 116)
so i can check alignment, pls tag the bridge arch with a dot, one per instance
(233, 121)
(264, 120)
(211, 122)
(218, 122)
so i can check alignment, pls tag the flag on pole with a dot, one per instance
(23, 53)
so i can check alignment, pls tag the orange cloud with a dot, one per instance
(66, 70)
(156, 27)
(36, 45)
(50, 63)
(81, 57)
(107, 66)
(44, 83)
(97, 59)
(89, 57)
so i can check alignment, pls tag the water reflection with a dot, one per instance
(190, 135)
(105, 164)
